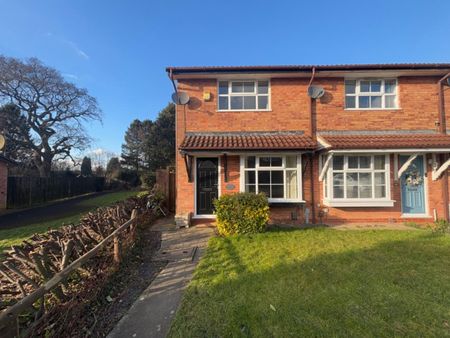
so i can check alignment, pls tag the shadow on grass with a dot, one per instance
(389, 288)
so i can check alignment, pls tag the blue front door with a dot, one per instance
(413, 189)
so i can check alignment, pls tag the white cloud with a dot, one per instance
(70, 76)
(72, 45)
(76, 49)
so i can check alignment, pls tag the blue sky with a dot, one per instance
(118, 49)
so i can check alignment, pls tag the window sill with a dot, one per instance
(283, 201)
(372, 109)
(358, 204)
(415, 216)
(204, 216)
(244, 110)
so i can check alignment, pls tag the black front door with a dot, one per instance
(207, 181)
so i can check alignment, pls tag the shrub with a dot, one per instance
(440, 226)
(241, 213)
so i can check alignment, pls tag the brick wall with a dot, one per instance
(290, 111)
(3, 184)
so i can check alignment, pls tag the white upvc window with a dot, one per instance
(358, 180)
(242, 95)
(371, 94)
(277, 176)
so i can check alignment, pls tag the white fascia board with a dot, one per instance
(406, 151)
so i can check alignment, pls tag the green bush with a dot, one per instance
(441, 226)
(241, 213)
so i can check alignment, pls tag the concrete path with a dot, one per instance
(151, 315)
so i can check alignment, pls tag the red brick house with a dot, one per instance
(373, 148)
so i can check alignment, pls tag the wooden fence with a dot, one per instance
(165, 181)
(9, 324)
(27, 191)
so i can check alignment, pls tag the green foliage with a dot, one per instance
(113, 168)
(13, 126)
(133, 150)
(160, 145)
(129, 176)
(150, 145)
(441, 226)
(242, 213)
(86, 167)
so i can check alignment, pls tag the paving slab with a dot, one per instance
(152, 313)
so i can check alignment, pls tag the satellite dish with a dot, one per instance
(448, 81)
(315, 92)
(2, 141)
(180, 98)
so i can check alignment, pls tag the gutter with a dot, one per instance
(311, 158)
(443, 130)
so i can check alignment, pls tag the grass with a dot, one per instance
(14, 236)
(319, 283)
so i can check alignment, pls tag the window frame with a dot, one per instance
(257, 168)
(330, 200)
(382, 93)
(255, 94)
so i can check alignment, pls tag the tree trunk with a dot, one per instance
(44, 167)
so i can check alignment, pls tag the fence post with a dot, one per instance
(117, 258)
(133, 225)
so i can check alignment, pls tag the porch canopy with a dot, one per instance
(408, 142)
(247, 141)
(238, 142)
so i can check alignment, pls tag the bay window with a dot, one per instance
(371, 94)
(279, 177)
(352, 179)
(243, 95)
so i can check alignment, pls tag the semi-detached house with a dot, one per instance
(372, 146)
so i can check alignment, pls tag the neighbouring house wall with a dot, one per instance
(418, 102)
(3, 185)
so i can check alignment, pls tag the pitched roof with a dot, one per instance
(247, 141)
(297, 68)
(385, 141)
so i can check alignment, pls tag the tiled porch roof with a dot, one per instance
(385, 141)
(247, 141)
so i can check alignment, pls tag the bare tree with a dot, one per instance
(55, 110)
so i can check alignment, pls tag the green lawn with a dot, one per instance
(13, 236)
(320, 283)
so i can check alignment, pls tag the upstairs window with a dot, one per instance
(371, 94)
(244, 95)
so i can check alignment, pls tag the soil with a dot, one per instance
(98, 315)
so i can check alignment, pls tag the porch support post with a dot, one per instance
(225, 167)
(406, 165)
(438, 172)
(325, 167)
(188, 159)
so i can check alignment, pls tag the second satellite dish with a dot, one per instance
(316, 92)
(448, 81)
(180, 98)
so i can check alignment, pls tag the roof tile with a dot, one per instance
(387, 141)
(288, 141)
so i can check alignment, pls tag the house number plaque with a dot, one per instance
(229, 186)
